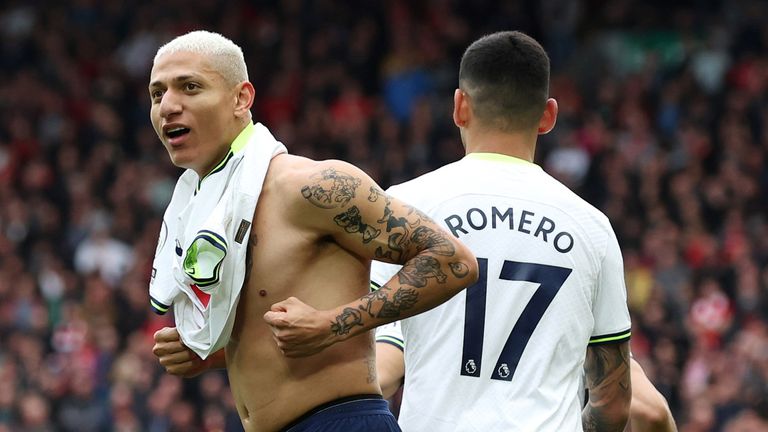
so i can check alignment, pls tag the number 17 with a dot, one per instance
(549, 278)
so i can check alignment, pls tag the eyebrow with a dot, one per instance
(179, 78)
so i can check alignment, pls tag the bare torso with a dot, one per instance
(286, 260)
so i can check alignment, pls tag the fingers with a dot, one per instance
(283, 305)
(277, 316)
(177, 358)
(276, 319)
(167, 334)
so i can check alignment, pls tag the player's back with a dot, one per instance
(507, 353)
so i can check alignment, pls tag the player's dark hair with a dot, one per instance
(506, 75)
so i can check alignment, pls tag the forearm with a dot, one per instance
(425, 281)
(610, 389)
(609, 417)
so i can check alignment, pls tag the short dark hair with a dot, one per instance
(506, 75)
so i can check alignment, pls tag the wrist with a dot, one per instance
(345, 322)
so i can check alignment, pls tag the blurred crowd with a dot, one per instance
(663, 126)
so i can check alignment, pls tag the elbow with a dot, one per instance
(474, 270)
(467, 259)
(654, 413)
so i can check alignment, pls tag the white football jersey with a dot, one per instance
(507, 353)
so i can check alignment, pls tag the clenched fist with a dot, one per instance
(174, 356)
(299, 329)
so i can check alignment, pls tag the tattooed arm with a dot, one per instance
(610, 389)
(337, 200)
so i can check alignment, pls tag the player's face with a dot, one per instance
(192, 110)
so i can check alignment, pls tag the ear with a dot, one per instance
(462, 112)
(549, 117)
(244, 98)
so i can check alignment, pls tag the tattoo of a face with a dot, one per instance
(459, 269)
(375, 194)
(419, 213)
(330, 189)
(419, 269)
(427, 238)
(351, 221)
(377, 304)
(348, 318)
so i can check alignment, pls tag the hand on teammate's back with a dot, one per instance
(298, 329)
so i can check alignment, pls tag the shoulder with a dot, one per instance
(303, 187)
(439, 181)
(289, 170)
(574, 204)
(305, 179)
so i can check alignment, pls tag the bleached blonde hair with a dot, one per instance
(225, 56)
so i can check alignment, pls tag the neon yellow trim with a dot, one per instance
(243, 138)
(157, 306)
(611, 338)
(391, 339)
(238, 144)
(498, 157)
(374, 286)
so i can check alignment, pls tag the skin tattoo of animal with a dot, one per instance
(349, 318)
(422, 268)
(353, 223)
(378, 304)
(331, 189)
(399, 227)
(433, 240)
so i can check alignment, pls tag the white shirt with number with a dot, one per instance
(507, 353)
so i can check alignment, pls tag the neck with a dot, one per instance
(521, 145)
(224, 151)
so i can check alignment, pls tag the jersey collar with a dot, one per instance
(237, 145)
(498, 157)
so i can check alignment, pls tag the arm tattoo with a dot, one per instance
(353, 223)
(459, 269)
(375, 194)
(349, 318)
(419, 269)
(427, 238)
(331, 189)
(378, 304)
(607, 375)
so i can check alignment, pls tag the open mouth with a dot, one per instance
(177, 132)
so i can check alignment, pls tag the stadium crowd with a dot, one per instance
(663, 126)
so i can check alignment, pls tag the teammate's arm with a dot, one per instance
(337, 200)
(649, 411)
(390, 367)
(609, 385)
(179, 360)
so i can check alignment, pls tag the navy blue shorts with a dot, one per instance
(361, 413)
